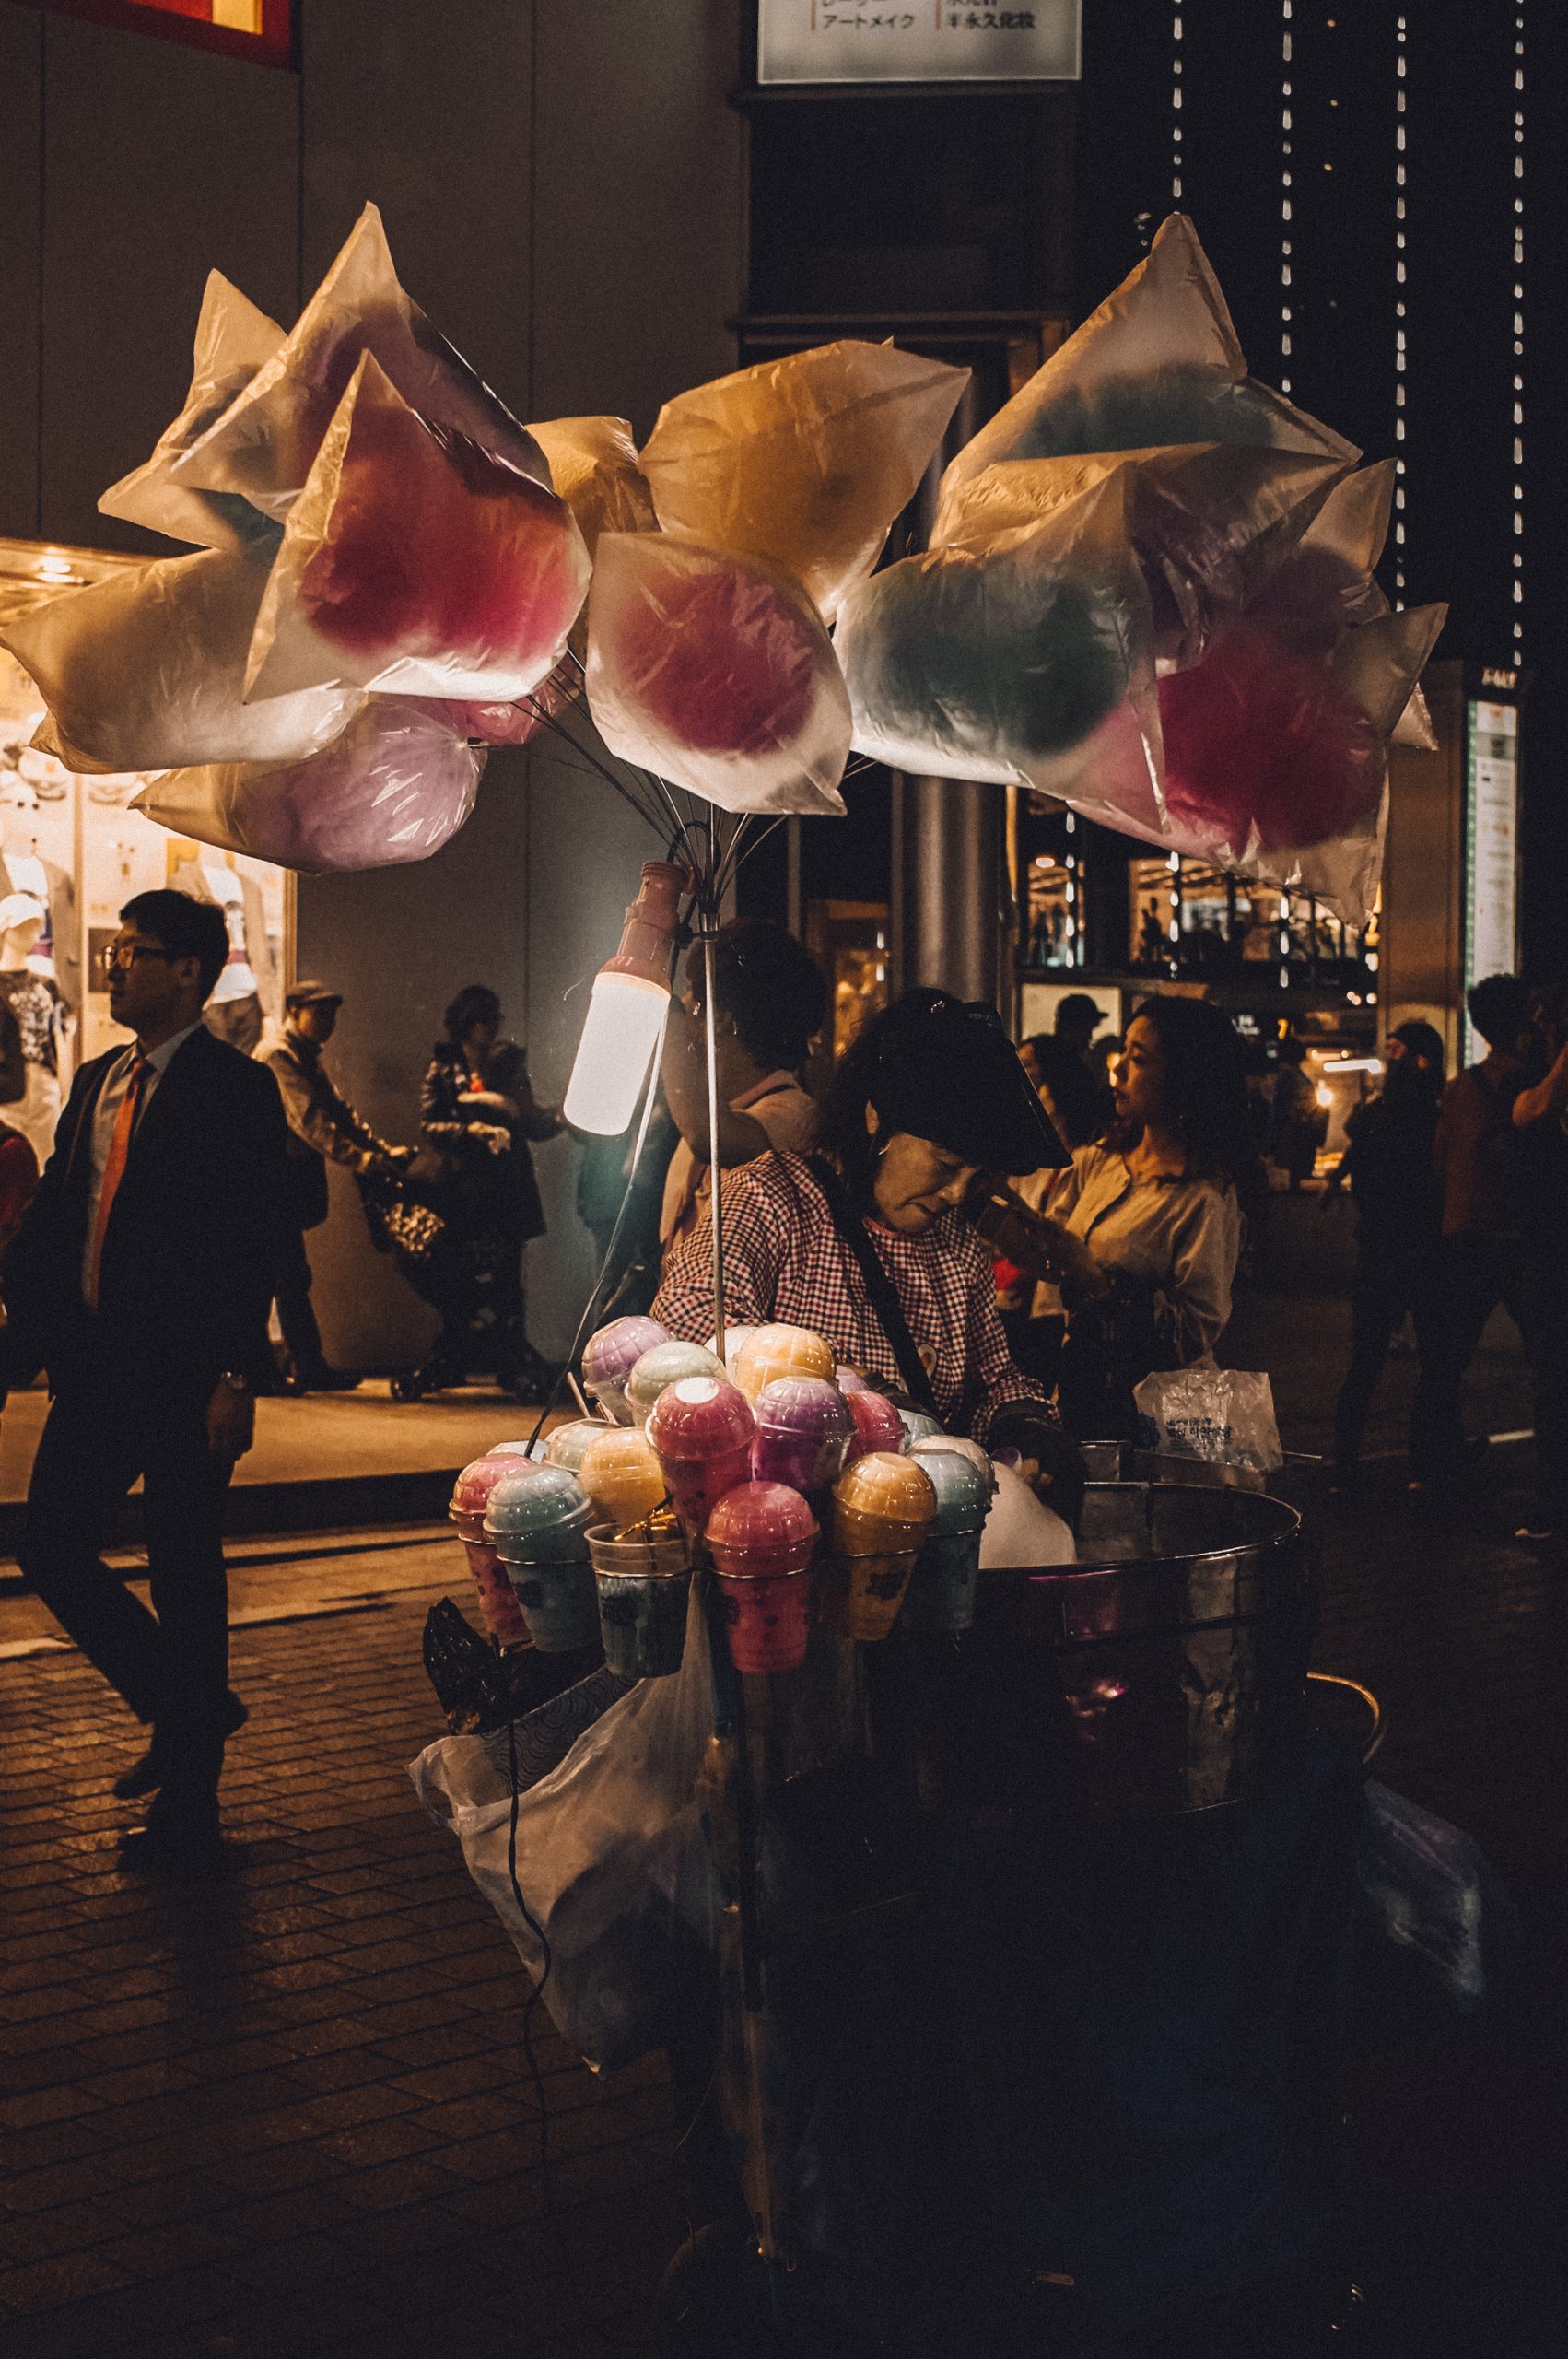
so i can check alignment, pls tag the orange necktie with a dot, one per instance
(114, 1170)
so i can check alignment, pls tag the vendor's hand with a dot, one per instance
(231, 1423)
(495, 1135)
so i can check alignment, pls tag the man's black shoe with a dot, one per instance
(324, 1379)
(146, 1776)
(182, 1844)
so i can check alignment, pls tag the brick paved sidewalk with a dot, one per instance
(290, 2113)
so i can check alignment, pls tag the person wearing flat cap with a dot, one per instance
(321, 1126)
(866, 1241)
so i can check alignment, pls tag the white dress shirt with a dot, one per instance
(106, 1113)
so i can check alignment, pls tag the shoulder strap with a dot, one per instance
(879, 1287)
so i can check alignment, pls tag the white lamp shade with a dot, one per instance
(625, 1016)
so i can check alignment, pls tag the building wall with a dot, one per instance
(562, 191)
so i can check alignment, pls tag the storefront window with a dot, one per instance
(72, 853)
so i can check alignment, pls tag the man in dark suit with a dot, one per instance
(140, 1279)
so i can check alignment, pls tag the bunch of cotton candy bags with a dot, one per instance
(375, 524)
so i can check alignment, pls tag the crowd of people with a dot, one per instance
(1010, 1239)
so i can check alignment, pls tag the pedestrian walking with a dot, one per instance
(323, 1126)
(1399, 1204)
(1541, 1120)
(140, 1280)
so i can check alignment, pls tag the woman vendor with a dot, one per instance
(1139, 1251)
(865, 1241)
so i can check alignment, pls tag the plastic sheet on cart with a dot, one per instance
(394, 787)
(803, 463)
(146, 670)
(1158, 363)
(1026, 662)
(417, 564)
(715, 673)
(233, 341)
(262, 445)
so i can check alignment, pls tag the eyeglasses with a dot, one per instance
(125, 954)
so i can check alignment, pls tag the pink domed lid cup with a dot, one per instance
(877, 1423)
(699, 1418)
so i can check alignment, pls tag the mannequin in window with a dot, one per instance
(246, 990)
(56, 955)
(36, 1014)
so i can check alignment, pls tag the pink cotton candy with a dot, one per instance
(1264, 749)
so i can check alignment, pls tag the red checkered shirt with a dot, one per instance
(784, 1259)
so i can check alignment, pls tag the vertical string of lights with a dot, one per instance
(1287, 120)
(1401, 85)
(1175, 107)
(1519, 332)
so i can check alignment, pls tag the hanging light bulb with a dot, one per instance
(625, 1014)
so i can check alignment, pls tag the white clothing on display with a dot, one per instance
(237, 979)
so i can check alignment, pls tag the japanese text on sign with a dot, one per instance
(1491, 834)
(921, 41)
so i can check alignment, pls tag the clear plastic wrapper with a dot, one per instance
(1223, 1416)
(262, 445)
(1158, 363)
(417, 564)
(1028, 661)
(1210, 523)
(717, 674)
(233, 341)
(1325, 586)
(594, 468)
(804, 462)
(146, 670)
(394, 787)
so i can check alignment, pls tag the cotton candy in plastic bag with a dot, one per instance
(1210, 523)
(1158, 363)
(717, 674)
(802, 462)
(417, 564)
(594, 467)
(146, 670)
(1006, 662)
(394, 787)
(263, 443)
(233, 341)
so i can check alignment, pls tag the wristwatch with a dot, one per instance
(235, 1379)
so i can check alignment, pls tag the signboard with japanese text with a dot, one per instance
(920, 41)
(1491, 845)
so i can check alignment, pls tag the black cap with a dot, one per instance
(945, 1070)
(312, 995)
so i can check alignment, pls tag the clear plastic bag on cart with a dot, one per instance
(716, 673)
(233, 341)
(802, 462)
(417, 564)
(1432, 1893)
(262, 445)
(1224, 1415)
(394, 787)
(146, 670)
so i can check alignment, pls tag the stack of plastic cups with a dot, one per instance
(919, 1425)
(942, 1590)
(623, 1479)
(762, 1537)
(499, 1608)
(643, 1582)
(877, 1423)
(803, 1432)
(564, 1444)
(702, 1430)
(537, 1523)
(664, 1365)
(609, 1356)
(883, 1509)
(769, 1352)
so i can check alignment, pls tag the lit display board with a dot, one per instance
(919, 41)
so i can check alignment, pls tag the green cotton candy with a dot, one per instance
(998, 658)
(1169, 404)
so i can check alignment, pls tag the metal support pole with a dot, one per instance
(715, 1170)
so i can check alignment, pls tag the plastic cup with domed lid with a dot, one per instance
(958, 1446)
(803, 1432)
(777, 1349)
(622, 1477)
(877, 1423)
(499, 1608)
(963, 1485)
(537, 1522)
(642, 1610)
(565, 1444)
(850, 1380)
(663, 1364)
(609, 1356)
(943, 1585)
(883, 1501)
(919, 1425)
(702, 1430)
(762, 1538)
(735, 1341)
